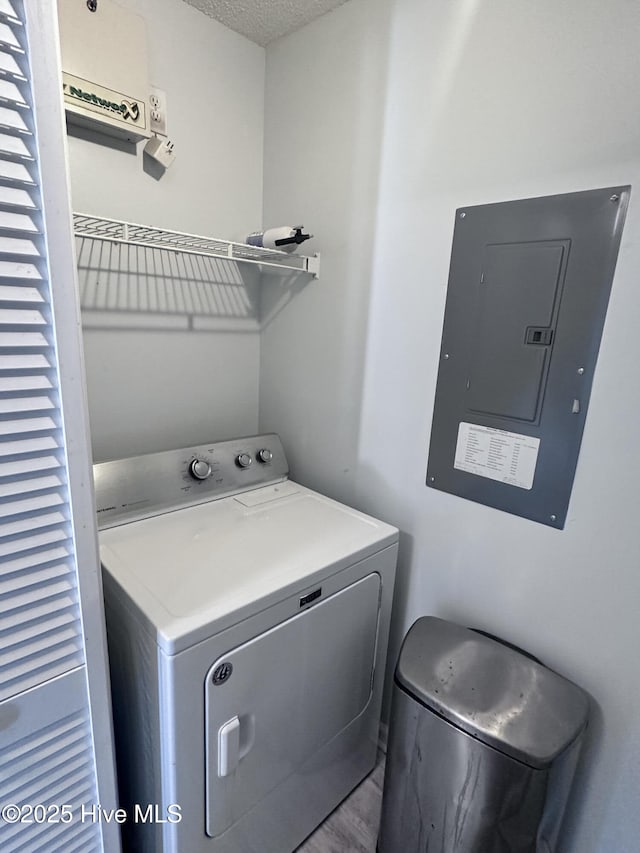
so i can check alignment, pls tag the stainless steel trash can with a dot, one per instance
(483, 745)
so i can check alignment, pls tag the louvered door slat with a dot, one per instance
(13, 221)
(13, 119)
(24, 382)
(30, 504)
(9, 293)
(10, 93)
(22, 340)
(11, 171)
(85, 843)
(69, 787)
(27, 466)
(9, 66)
(36, 627)
(7, 9)
(31, 522)
(13, 146)
(24, 425)
(10, 70)
(25, 404)
(16, 198)
(32, 484)
(39, 745)
(13, 510)
(27, 445)
(21, 316)
(25, 564)
(37, 650)
(31, 542)
(38, 584)
(23, 362)
(9, 35)
(70, 769)
(71, 756)
(55, 837)
(16, 617)
(50, 766)
(13, 246)
(30, 672)
(19, 271)
(84, 838)
(71, 777)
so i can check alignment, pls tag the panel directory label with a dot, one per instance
(508, 457)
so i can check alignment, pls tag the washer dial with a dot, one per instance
(243, 460)
(265, 455)
(200, 469)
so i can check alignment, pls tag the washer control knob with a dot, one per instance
(243, 460)
(265, 455)
(200, 469)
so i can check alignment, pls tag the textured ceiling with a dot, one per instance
(263, 21)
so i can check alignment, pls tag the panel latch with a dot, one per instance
(539, 335)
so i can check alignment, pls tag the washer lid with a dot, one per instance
(195, 571)
(490, 690)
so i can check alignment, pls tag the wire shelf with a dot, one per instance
(112, 230)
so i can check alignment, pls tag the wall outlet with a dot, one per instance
(158, 111)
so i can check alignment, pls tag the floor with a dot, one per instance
(353, 826)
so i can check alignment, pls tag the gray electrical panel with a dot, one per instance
(529, 284)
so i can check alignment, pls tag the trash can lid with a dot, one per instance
(491, 691)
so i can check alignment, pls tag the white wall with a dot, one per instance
(154, 382)
(413, 108)
(323, 136)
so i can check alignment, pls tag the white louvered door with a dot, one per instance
(55, 737)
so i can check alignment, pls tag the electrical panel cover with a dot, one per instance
(529, 284)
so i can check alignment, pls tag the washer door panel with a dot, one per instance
(283, 695)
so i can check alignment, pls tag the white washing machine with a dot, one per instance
(247, 620)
